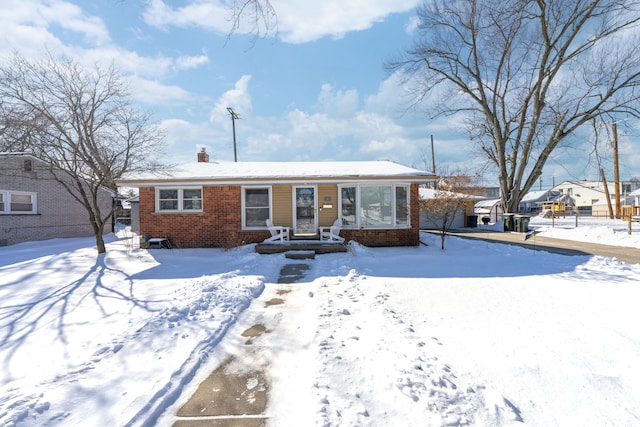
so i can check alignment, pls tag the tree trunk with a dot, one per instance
(100, 244)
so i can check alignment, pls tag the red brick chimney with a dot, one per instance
(203, 157)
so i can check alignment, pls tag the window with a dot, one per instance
(179, 199)
(256, 206)
(348, 205)
(13, 202)
(402, 205)
(192, 199)
(374, 206)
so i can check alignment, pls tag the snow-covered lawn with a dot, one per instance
(478, 334)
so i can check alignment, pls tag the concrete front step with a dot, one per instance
(299, 245)
(300, 254)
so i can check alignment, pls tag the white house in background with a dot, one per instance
(585, 194)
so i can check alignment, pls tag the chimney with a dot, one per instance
(203, 157)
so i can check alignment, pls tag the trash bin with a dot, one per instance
(521, 223)
(507, 218)
(472, 221)
(517, 223)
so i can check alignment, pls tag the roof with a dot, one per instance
(487, 203)
(535, 196)
(225, 172)
(430, 193)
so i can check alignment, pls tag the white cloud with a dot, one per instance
(189, 62)
(337, 103)
(298, 21)
(237, 98)
(152, 92)
(198, 13)
(412, 24)
(26, 26)
(71, 17)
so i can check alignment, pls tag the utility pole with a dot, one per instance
(433, 157)
(234, 116)
(616, 171)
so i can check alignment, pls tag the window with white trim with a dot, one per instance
(18, 202)
(179, 199)
(374, 206)
(256, 206)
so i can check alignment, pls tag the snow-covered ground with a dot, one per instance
(478, 334)
(589, 229)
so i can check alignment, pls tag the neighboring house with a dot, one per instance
(462, 217)
(532, 201)
(34, 206)
(584, 193)
(601, 208)
(204, 204)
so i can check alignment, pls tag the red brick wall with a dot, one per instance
(220, 225)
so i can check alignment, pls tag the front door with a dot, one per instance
(304, 215)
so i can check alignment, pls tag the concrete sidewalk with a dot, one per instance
(237, 392)
(559, 246)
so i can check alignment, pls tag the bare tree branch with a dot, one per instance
(259, 14)
(527, 74)
(78, 121)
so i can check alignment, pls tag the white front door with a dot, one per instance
(304, 211)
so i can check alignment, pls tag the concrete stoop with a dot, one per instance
(237, 392)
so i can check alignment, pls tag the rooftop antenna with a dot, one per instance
(234, 116)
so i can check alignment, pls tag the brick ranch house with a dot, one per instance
(203, 204)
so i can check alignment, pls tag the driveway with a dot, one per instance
(559, 246)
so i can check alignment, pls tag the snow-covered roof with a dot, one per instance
(279, 171)
(487, 203)
(535, 196)
(430, 193)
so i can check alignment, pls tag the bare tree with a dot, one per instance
(446, 201)
(526, 74)
(260, 14)
(80, 122)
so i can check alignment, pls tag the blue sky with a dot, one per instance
(315, 91)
